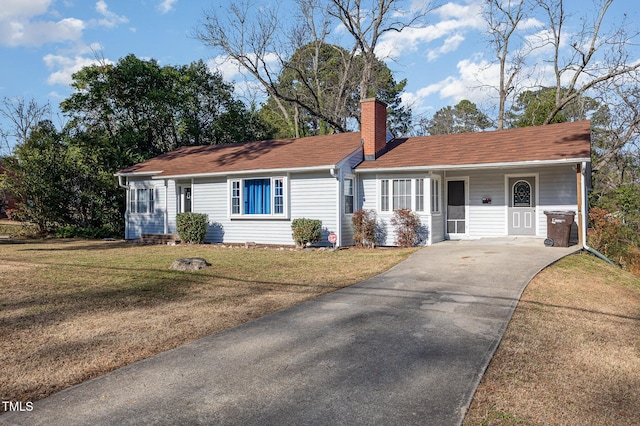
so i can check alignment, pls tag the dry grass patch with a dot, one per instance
(571, 353)
(72, 310)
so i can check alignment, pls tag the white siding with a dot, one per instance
(146, 223)
(485, 220)
(209, 196)
(312, 196)
(318, 196)
(368, 199)
(346, 231)
(557, 190)
(172, 205)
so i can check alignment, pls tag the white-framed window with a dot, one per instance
(435, 195)
(401, 194)
(278, 196)
(141, 200)
(348, 195)
(257, 196)
(420, 195)
(384, 195)
(235, 197)
(395, 194)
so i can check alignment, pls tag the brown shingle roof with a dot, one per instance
(542, 143)
(565, 141)
(262, 155)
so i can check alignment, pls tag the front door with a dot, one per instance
(522, 207)
(456, 208)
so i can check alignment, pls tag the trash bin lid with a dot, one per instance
(560, 213)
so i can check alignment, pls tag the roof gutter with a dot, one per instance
(471, 166)
(142, 174)
(245, 172)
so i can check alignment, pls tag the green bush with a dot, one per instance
(192, 227)
(306, 231)
(407, 227)
(364, 224)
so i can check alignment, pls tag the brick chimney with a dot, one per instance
(373, 127)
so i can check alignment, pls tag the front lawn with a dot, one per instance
(72, 310)
(571, 353)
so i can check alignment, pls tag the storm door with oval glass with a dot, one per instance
(522, 207)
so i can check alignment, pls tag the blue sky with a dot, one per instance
(42, 42)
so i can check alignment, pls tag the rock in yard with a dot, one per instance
(189, 264)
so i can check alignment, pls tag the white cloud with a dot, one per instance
(530, 23)
(474, 82)
(21, 25)
(166, 6)
(227, 67)
(21, 9)
(451, 44)
(231, 70)
(64, 66)
(37, 33)
(454, 19)
(29, 23)
(110, 19)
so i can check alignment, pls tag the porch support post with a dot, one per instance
(580, 203)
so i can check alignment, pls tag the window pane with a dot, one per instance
(235, 197)
(420, 195)
(522, 194)
(257, 196)
(348, 186)
(435, 195)
(384, 195)
(142, 201)
(401, 194)
(132, 201)
(348, 195)
(278, 196)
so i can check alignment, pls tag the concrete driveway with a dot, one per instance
(406, 347)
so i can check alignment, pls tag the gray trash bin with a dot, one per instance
(558, 228)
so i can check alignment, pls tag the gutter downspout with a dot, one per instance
(585, 216)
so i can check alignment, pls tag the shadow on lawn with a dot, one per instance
(152, 288)
(69, 244)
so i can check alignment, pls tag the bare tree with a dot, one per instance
(367, 21)
(617, 133)
(22, 116)
(503, 18)
(255, 40)
(595, 57)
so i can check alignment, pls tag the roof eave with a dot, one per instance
(142, 174)
(474, 166)
(247, 172)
